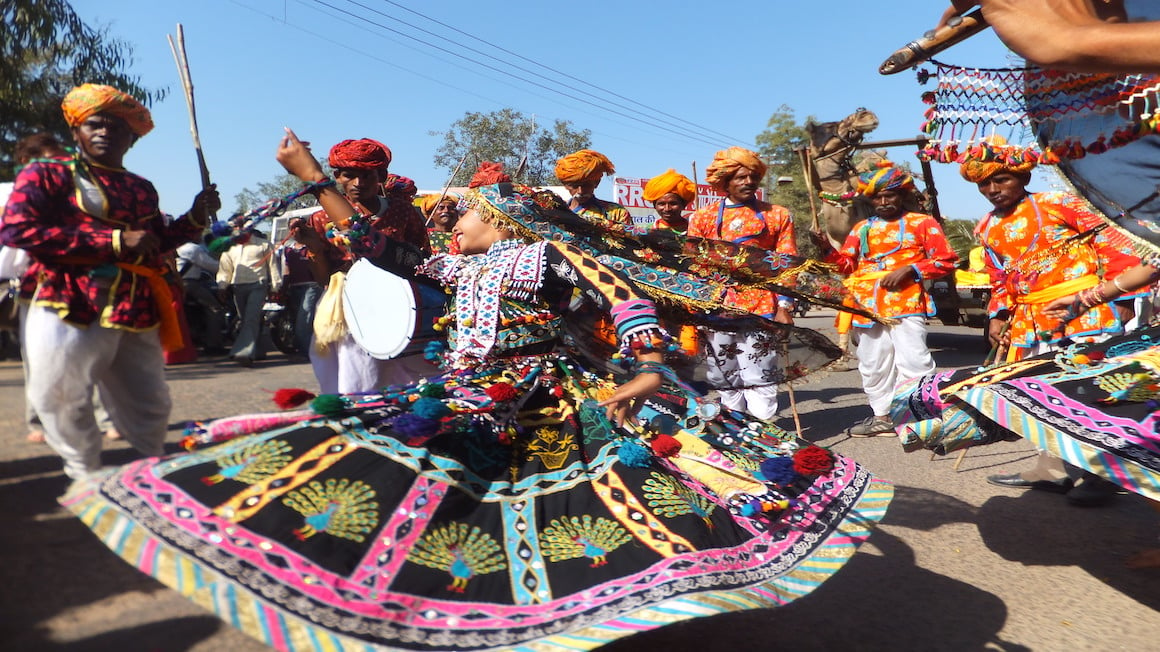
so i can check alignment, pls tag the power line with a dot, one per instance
(555, 71)
(664, 127)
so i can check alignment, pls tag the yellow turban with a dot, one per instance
(88, 99)
(582, 165)
(430, 201)
(671, 181)
(886, 176)
(991, 157)
(726, 164)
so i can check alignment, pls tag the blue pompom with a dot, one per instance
(635, 454)
(221, 229)
(411, 425)
(752, 508)
(430, 408)
(778, 470)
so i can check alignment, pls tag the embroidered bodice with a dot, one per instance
(511, 300)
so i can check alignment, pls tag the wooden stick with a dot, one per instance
(446, 187)
(182, 62)
(962, 456)
(696, 190)
(807, 171)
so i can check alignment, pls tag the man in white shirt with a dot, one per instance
(198, 269)
(251, 269)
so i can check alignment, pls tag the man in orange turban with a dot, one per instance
(670, 194)
(887, 257)
(101, 309)
(1033, 258)
(442, 212)
(744, 367)
(581, 172)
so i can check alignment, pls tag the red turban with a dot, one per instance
(671, 181)
(487, 174)
(582, 165)
(726, 164)
(88, 99)
(361, 154)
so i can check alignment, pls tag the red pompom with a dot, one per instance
(1095, 355)
(813, 460)
(501, 392)
(666, 445)
(290, 397)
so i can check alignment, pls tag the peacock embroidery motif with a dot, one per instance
(338, 507)
(463, 550)
(572, 537)
(252, 464)
(668, 497)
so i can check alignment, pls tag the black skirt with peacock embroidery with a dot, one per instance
(493, 508)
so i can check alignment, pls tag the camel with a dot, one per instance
(833, 173)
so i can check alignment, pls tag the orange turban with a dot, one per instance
(582, 165)
(886, 177)
(671, 181)
(993, 156)
(429, 202)
(726, 164)
(88, 99)
(361, 154)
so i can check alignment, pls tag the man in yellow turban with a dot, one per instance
(670, 194)
(100, 309)
(441, 212)
(888, 256)
(1033, 258)
(744, 367)
(581, 172)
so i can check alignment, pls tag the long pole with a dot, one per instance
(446, 187)
(808, 173)
(182, 61)
(696, 188)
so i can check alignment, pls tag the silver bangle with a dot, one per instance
(1116, 282)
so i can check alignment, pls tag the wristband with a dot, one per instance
(1116, 282)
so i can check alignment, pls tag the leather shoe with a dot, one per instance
(1016, 481)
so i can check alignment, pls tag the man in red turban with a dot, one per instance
(385, 202)
(101, 309)
(744, 368)
(581, 172)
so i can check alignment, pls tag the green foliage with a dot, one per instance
(961, 237)
(507, 136)
(279, 186)
(778, 146)
(46, 50)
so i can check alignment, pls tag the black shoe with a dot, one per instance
(1092, 492)
(1016, 481)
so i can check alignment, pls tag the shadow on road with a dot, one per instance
(927, 611)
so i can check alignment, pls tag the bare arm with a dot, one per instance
(1080, 35)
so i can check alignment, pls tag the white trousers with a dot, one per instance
(346, 368)
(65, 363)
(889, 356)
(744, 369)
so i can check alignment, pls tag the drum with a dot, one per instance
(388, 315)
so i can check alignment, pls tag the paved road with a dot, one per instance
(956, 565)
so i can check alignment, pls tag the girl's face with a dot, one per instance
(475, 236)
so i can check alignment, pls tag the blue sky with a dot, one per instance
(258, 65)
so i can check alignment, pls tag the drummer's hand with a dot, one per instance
(206, 203)
(630, 397)
(295, 157)
(998, 333)
(898, 279)
(1061, 308)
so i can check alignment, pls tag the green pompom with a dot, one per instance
(328, 405)
(433, 390)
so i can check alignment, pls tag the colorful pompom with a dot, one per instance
(411, 425)
(665, 445)
(328, 405)
(633, 453)
(501, 392)
(430, 408)
(779, 470)
(813, 460)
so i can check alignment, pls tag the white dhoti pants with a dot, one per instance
(346, 368)
(889, 356)
(744, 368)
(65, 362)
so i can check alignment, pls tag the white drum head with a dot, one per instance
(379, 308)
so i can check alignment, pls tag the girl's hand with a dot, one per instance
(630, 397)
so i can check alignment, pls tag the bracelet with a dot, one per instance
(315, 186)
(1116, 282)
